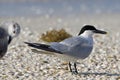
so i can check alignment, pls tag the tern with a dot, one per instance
(73, 48)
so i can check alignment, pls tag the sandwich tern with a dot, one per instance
(73, 48)
(8, 30)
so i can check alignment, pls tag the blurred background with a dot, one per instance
(58, 7)
(62, 13)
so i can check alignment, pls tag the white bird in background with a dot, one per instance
(8, 30)
(73, 48)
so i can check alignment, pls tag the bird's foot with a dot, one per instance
(74, 72)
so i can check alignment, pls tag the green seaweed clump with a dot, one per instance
(55, 35)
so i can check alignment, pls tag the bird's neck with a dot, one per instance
(87, 34)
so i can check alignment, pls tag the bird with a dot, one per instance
(8, 31)
(73, 48)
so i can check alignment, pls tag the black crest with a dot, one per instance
(87, 27)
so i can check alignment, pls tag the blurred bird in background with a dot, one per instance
(8, 30)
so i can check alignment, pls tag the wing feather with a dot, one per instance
(3, 46)
(67, 44)
(73, 46)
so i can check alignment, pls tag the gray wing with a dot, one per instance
(80, 51)
(67, 44)
(3, 42)
(59, 47)
(3, 46)
(3, 32)
(75, 46)
(73, 41)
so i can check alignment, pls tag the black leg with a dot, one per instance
(70, 67)
(75, 69)
(76, 72)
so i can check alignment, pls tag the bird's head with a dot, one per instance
(13, 28)
(89, 30)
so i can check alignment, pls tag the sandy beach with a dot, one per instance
(20, 63)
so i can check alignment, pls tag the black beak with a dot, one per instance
(100, 31)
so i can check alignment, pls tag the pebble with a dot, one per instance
(20, 63)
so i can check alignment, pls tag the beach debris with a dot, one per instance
(55, 35)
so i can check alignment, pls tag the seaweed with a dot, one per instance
(55, 35)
